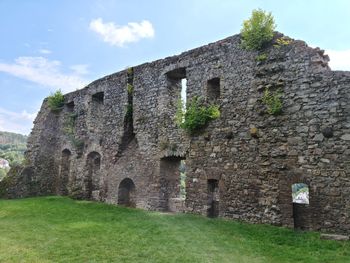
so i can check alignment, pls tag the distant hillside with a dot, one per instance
(12, 147)
(12, 138)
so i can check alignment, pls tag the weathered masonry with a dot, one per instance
(116, 140)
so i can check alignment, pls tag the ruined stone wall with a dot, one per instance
(241, 165)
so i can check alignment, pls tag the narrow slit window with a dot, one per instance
(184, 92)
(177, 88)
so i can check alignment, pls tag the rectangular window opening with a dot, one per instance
(70, 106)
(177, 88)
(176, 74)
(98, 97)
(213, 89)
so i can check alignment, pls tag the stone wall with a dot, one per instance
(247, 175)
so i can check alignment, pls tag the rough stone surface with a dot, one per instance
(230, 172)
(334, 237)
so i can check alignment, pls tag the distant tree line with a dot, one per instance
(12, 148)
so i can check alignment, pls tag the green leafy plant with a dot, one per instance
(130, 88)
(130, 71)
(56, 101)
(272, 101)
(69, 125)
(196, 115)
(78, 144)
(262, 57)
(258, 30)
(69, 130)
(282, 41)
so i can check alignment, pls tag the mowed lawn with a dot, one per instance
(57, 229)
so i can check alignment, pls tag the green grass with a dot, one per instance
(56, 229)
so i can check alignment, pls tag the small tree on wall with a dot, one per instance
(258, 30)
(56, 101)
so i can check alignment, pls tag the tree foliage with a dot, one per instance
(258, 30)
(12, 147)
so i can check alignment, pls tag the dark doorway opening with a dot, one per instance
(213, 198)
(301, 209)
(172, 180)
(126, 193)
(63, 179)
(92, 179)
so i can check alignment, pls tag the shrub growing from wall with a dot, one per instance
(56, 101)
(196, 116)
(258, 30)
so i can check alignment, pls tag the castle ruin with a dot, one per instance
(116, 140)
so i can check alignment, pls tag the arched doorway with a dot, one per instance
(126, 193)
(301, 209)
(92, 178)
(63, 178)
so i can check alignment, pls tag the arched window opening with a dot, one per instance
(126, 193)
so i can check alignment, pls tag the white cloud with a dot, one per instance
(45, 51)
(44, 72)
(120, 35)
(80, 69)
(340, 59)
(19, 122)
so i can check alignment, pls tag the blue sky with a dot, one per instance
(47, 45)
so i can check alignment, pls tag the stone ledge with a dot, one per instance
(334, 237)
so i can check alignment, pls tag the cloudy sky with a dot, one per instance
(64, 44)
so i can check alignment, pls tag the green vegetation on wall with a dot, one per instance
(272, 101)
(258, 30)
(69, 130)
(130, 88)
(56, 101)
(196, 115)
(262, 57)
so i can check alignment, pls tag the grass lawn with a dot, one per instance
(57, 229)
